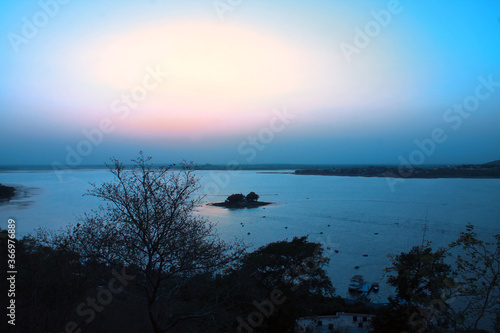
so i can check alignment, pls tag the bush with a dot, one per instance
(252, 196)
(235, 198)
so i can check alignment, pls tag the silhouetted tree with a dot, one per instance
(148, 224)
(252, 196)
(478, 269)
(422, 276)
(394, 319)
(422, 284)
(49, 284)
(235, 198)
(293, 268)
(301, 263)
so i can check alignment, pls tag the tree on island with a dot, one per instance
(252, 197)
(239, 198)
(235, 198)
(148, 225)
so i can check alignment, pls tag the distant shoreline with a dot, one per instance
(484, 171)
(216, 167)
(473, 171)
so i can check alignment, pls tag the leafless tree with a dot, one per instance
(148, 222)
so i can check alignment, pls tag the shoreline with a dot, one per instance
(464, 172)
(7, 192)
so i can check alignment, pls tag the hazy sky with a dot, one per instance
(252, 81)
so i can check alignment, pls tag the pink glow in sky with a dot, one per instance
(93, 61)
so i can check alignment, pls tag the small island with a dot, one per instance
(6, 192)
(241, 201)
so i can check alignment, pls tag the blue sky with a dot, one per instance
(209, 81)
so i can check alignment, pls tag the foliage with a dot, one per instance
(393, 319)
(478, 268)
(235, 198)
(252, 196)
(430, 287)
(148, 224)
(422, 275)
(49, 284)
(422, 283)
(290, 259)
(295, 268)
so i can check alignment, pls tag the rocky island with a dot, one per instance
(241, 201)
(6, 192)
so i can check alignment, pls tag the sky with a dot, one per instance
(225, 81)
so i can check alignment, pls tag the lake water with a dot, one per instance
(356, 216)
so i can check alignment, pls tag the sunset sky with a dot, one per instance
(361, 81)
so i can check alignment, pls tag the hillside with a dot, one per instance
(492, 164)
